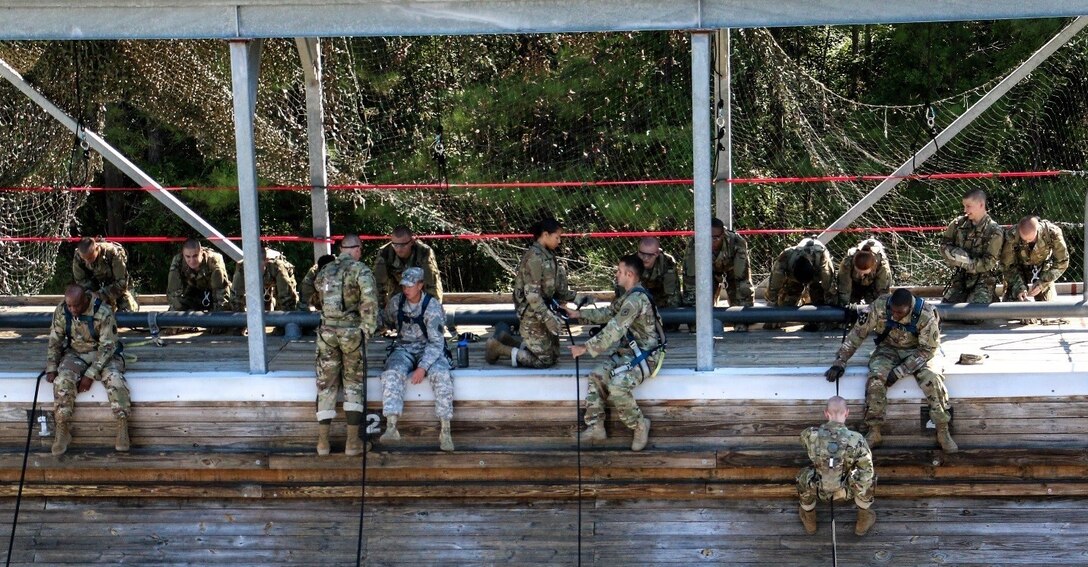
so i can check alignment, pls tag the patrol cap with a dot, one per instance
(971, 358)
(412, 276)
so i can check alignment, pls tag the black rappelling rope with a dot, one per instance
(362, 496)
(577, 434)
(26, 457)
(79, 170)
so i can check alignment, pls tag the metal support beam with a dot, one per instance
(957, 125)
(245, 64)
(723, 95)
(1084, 266)
(309, 51)
(110, 154)
(701, 133)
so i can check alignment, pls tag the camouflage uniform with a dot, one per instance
(92, 349)
(661, 281)
(307, 291)
(842, 467)
(852, 288)
(540, 278)
(107, 276)
(631, 313)
(414, 348)
(785, 291)
(913, 351)
(732, 270)
(982, 242)
(349, 315)
(1044, 260)
(205, 289)
(279, 283)
(389, 268)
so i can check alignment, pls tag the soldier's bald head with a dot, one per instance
(649, 244)
(76, 298)
(836, 409)
(350, 241)
(1028, 228)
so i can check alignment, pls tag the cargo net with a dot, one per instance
(425, 118)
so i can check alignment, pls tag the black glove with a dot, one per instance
(852, 310)
(835, 372)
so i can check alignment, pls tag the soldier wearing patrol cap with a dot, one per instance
(841, 469)
(418, 352)
(198, 280)
(634, 340)
(801, 271)
(908, 337)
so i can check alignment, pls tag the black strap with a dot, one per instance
(663, 340)
(912, 327)
(403, 318)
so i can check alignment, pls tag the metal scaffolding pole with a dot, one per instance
(122, 163)
(245, 64)
(701, 135)
(309, 51)
(723, 93)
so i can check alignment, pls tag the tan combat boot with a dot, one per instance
(593, 433)
(122, 443)
(873, 437)
(355, 446)
(445, 440)
(323, 439)
(808, 519)
(948, 445)
(503, 335)
(391, 434)
(642, 435)
(496, 351)
(866, 519)
(63, 438)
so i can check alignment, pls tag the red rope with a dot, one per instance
(474, 236)
(581, 184)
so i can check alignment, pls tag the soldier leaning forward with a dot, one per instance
(402, 252)
(102, 268)
(634, 339)
(801, 275)
(864, 274)
(540, 286)
(419, 351)
(1034, 257)
(83, 347)
(278, 277)
(971, 245)
(660, 277)
(731, 265)
(842, 469)
(198, 280)
(908, 338)
(349, 314)
(307, 290)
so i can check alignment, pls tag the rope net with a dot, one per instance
(542, 108)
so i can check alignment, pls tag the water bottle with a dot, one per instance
(462, 351)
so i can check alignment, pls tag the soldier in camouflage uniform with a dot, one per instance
(732, 269)
(971, 245)
(349, 314)
(842, 469)
(540, 286)
(403, 252)
(802, 275)
(660, 277)
(83, 347)
(279, 283)
(307, 292)
(908, 337)
(864, 274)
(100, 267)
(418, 352)
(631, 317)
(198, 280)
(1034, 257)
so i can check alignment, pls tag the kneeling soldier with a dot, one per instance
(634, 327)
(842, 468)
(83, 347)
(907, 339)
(419, 351)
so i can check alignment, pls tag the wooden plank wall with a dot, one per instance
(751, 532)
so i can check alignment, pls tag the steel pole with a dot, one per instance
(309, 51)
(701, 136)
